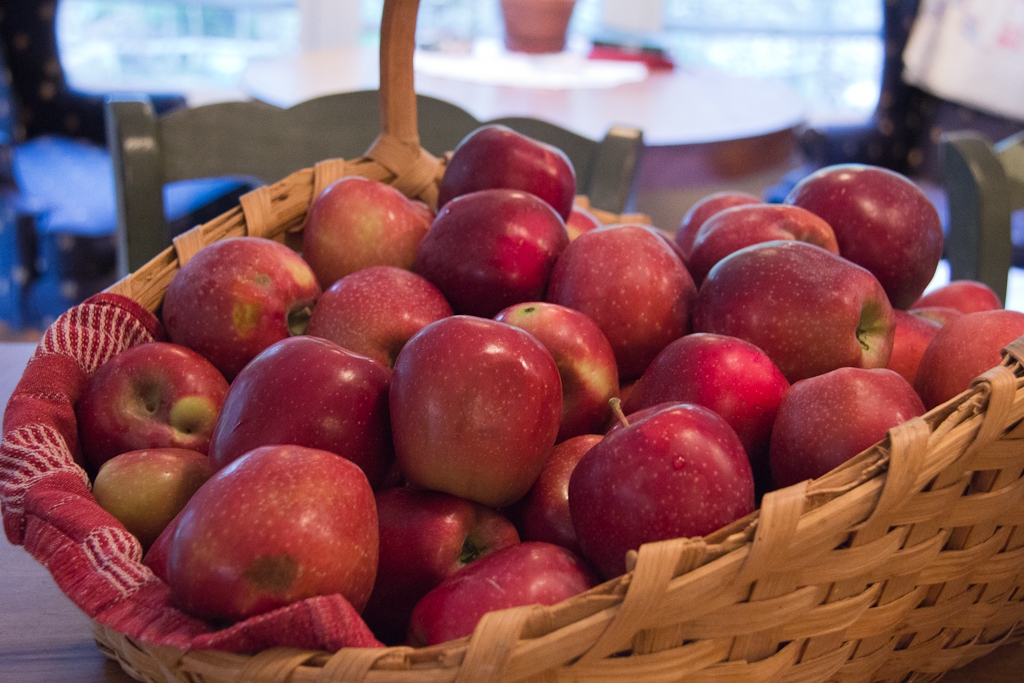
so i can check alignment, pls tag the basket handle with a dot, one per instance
(397, 89)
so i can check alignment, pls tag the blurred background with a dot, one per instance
(843, 62)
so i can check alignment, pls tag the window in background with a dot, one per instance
(831, 52)
(200, 48)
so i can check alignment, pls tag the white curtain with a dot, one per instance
(970, 52)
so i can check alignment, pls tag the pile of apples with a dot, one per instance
(437, 416)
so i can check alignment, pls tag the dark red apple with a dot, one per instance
(496, 156)
(309, 392)
(810, 310)
(826, 420)
(679, 472)
(732, 229)
(146, 489)
(154, 395)
(629, 281)
(475, 409)
(356, 223)
(490, 249)
(966, 296)
(912, 336)
(963, 349)
(374, 311)
(238, 296)
(730, 376)
(882, 221)
(280, 524)
(705, 208)
(425, 537)
(585, 360)
(523, 574)
(543, 513)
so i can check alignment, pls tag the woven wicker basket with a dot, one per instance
(907, 559)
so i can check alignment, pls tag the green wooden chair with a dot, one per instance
(984, 184)
(264, 143)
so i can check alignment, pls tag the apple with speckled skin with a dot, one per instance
(882, 222)
(530, 573)
(826, 420)
(728, 375)
(237, 551)
(630, 281)
(543, 513)
(309, 392)
(966, 296)
(358, 222)
(585, 360)
(425, 537)
(374, 311)
(154, 395)
(236, 297)
(495, 156)
(679, 472)
(490, 249)
(810, 310)
(732, 229)
(146, 489)
(963, 349)
(705, 208)
(912, 335)
(475, 409)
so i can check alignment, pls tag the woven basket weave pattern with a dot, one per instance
(906, 559)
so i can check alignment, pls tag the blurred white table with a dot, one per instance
(678, 107)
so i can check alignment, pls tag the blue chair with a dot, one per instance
(58, 215)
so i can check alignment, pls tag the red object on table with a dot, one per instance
(654, 58)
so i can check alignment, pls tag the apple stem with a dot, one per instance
(616, 405)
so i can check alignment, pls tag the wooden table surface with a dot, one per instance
(44, 638)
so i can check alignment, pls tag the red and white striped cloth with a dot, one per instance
(48, 508)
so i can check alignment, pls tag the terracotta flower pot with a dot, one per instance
(536, 26)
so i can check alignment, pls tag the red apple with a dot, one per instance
(585, 360)
(356, 223)
(543, 514)
(633, 285)
(154, 395)
(374, 311)
(309, 392)
(704, 209)
(826, 420)
(939, 314)
(679, 472)
(580, 221)
(146, 489)
(425, 537)
(730, 376)
(495, 156)
(963, 349)
(280, 524)
(236, 297)
(159, 551)
(490, 249)
(732, 229)
(912, 336)
(882, 221)
(966, 296)
(523, 574)
(475, 409)
(810, 310)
